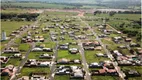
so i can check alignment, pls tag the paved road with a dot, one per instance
(112, 28)
(26, 55)
(84, 63)
(23, 61)
(53, 65)
(121, 74)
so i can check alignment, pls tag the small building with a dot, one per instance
(63, 47)
(73, 50)
(101, 55)
(63, 61)
(128, 40)
(95, 65)
(4, 59)
(132, 73)
(45, 56)
(11, 50)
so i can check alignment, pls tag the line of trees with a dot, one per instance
(19, 17)
(132, 29)
(111, 13)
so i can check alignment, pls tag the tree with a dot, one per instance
(111, 13)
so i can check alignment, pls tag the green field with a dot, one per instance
(38, 5)
(9, 26)
(14, 10)
(122, 16)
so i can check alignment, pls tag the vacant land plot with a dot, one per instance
(122, 16)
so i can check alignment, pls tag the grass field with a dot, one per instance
(122, 16)
(38, 5)
(14, 10)
(26, 71)
(9, 26)
(105, 78)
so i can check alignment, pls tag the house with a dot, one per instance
(128, 60)
(67, 20)
(90, 34)
(43, 64)
(73, 43)
(39, 76)
(63, 61)
(118, 32)
(132, 73)
(91, 43)
(101, 55)
(53, 37)
(122, 47)
(105, 71)
(29, 33)
(34, 27)
(62, 33)
(112, 72)
(41, 46)
(36, 32)
(56, 20)
(36, 49)
(4, 59)
(51, 26)
(98, 72)
(95, 65)
(24, 78)
(116, 52)
(53, 33)
(45, 29)
(17, 55)
(9, 70)
(85, 28)
(37, 63)
(48, 49)
(62, 38)
(63, 46)
(11, 50)
(61, 27)
(101, 27)
(117, 39)
(89, 48)
(75, 61)
(15, 32)
(22, 28)
(99, 48)
(63, 70)
(128, 40)
(139, 51)
(45, 56)
(73, 50)
(80, 37)
(134, 45)
(77, 73)
(102, 36)
(27, 39)
(38, 39)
